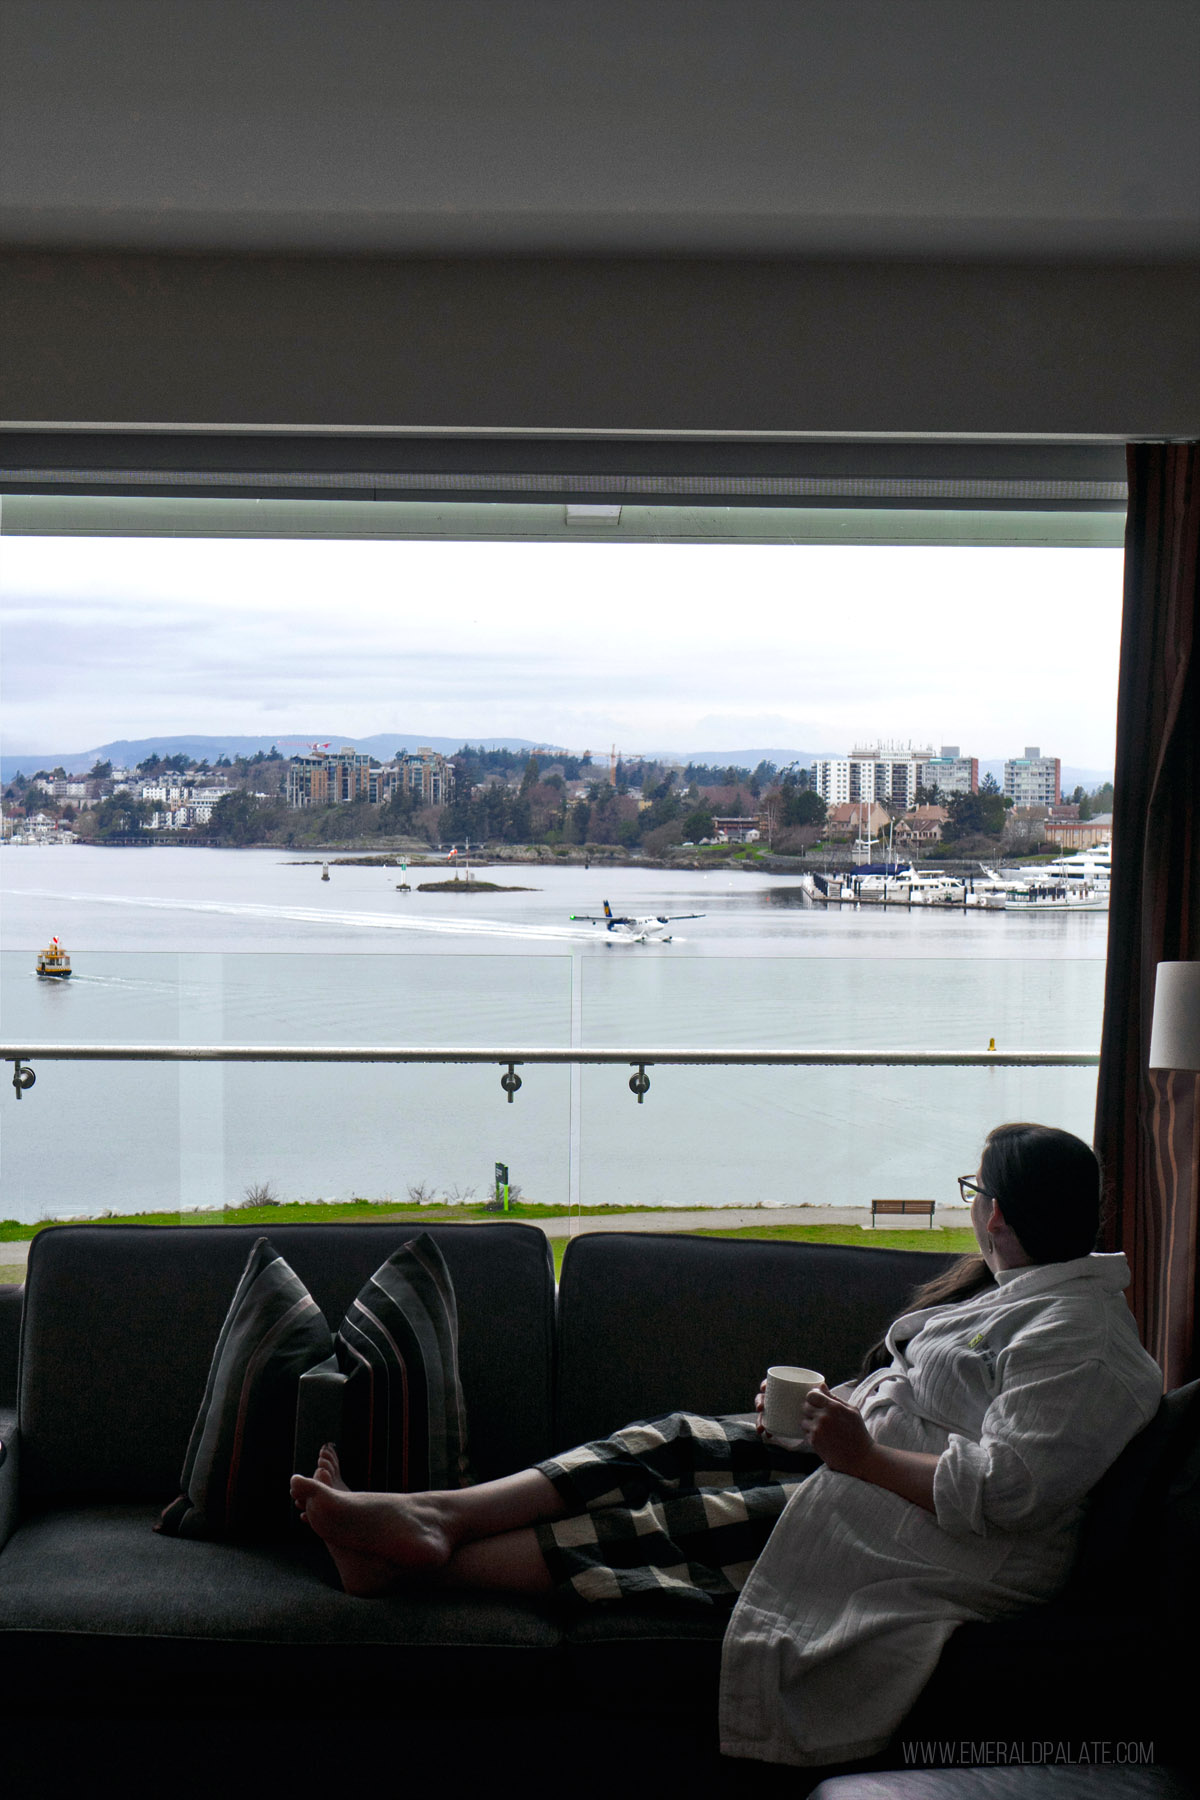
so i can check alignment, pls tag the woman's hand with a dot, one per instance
(836, 1432)
(840, 1438)
(759, 1403)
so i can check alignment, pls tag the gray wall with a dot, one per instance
(602, 344)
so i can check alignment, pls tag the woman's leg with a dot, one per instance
(475, 1536)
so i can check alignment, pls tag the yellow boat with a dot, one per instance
(54, 961)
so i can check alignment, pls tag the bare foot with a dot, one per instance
(375, 1540)
(329, 1469)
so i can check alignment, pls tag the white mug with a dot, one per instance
(783, 1403)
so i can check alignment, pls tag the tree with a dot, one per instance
(396, 813)
(989, 784)
(802, 807)
(239, 819)
(976, 815)
(121, 815)
(698, 824)
(100, 771)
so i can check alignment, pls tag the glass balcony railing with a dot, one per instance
(166, 1084)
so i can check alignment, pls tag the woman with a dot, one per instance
(949, 1483)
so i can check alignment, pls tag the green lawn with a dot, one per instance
(315, 1212)
(958, 1241)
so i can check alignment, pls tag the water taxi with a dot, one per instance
(53, 961)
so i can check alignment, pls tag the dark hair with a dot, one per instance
(1047, 1185)
(968, 1276)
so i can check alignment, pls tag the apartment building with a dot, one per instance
(423, 772)
(326, 777)
(952, 773)
(329, 778)
(1033, 779)
(887, 773)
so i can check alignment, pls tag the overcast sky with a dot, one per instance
(648, 646)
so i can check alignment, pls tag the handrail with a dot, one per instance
(21, 1055)
(392, 1053)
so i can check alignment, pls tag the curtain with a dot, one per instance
(1148, 1125)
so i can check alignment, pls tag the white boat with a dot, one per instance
(1054, 896)
(1084, 868)
(1035, 891)
(887, 884)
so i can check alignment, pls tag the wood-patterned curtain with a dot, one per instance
(1148, 1126)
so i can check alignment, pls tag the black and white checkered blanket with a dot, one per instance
(680, 1506)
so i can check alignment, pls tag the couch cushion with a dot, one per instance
(653, 1324)
(239, 1457)
(104, 1413)
(649, 1658)
(404, 1425)
(174, 1610)
(1142, 1533)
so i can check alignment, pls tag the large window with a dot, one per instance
(594, 704)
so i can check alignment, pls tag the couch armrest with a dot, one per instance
(9, 1460)
(12, 1300)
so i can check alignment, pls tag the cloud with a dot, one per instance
(816, 646)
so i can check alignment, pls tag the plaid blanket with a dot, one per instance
(680, 1506)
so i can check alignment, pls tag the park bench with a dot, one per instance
(920, 1207)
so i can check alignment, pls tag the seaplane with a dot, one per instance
(649, 930)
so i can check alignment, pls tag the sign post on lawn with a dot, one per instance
(502, 1184)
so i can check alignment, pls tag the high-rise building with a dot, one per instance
(1033, 779)
(329, 777)
(423, 772)
(887, 773)
(952, 773)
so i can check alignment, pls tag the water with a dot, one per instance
(191, 946)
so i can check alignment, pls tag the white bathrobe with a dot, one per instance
(1027, 1393)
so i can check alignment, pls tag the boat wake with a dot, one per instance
(320, 915)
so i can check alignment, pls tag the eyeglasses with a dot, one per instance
(970, 1190)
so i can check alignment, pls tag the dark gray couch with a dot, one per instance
(101, 1617)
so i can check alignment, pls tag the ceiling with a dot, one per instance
(932, 128)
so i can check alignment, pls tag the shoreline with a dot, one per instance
(603, 858)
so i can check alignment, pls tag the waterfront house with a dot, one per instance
(857, 819)
(923, 825)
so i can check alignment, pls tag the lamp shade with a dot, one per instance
(1175, 1034)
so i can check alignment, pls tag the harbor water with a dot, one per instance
(177, 946)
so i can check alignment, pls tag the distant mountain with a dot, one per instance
(126, 753)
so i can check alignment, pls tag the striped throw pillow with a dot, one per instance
(235, 1475)
(404, 1426)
